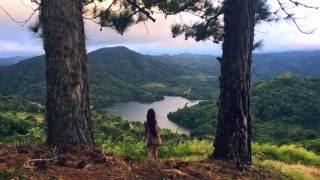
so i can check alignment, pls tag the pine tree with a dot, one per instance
(68, 103)
(233, 136)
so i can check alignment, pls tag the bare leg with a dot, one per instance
(150, 151)
(156, 152)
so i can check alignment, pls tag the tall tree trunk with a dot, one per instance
(233, 136)
(68, 106)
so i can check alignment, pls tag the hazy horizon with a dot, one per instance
(174, 54)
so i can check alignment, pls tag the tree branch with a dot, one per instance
(291, 16)
(23, 22)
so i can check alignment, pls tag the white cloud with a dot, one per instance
(157, 39)
(10, 48)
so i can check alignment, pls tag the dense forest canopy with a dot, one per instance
(285, 110)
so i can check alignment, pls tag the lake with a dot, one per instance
(136, 111)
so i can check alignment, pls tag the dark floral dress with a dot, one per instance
(151, 139)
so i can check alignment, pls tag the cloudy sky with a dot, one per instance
(283, 36)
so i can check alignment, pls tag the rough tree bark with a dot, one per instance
(68, 106)
(233, 136)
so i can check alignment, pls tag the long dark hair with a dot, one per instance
(152, 122)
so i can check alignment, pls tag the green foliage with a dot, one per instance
(209, 26)
(136, 150)
(5, 174)
(19, 104)
(312, 144)
(34, 136)
(115, 129)
(121, 14)
(287, 106)
(16, 174)
(196, 119)
(21, 121)
(11, 124)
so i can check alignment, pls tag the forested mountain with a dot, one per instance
(285, 110)
(119, 74)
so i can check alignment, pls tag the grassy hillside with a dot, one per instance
(24, 127)
(285, 110)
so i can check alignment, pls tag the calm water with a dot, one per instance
(135, 111)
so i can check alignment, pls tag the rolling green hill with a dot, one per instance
(285, 109)
(119, 74)
(116, 74)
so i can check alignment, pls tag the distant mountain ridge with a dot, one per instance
(301, 63)
(119, 74)
(11, 60)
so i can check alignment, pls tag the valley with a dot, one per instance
(284, 104)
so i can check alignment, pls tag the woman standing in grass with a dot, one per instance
(153, 138)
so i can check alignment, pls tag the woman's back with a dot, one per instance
(152, 131)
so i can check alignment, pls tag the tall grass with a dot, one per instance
(136, 150)
(285, 171)
(201, 149)
(291, 154)
(187, 150)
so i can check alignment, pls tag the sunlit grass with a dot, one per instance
(286, 171)
(291, 154)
